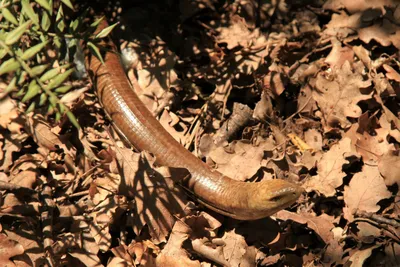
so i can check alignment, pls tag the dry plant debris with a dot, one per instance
(301, 90)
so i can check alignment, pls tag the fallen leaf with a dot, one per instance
(330, 173)
(173, 254)
(314, 139)
(360, 257)
(323, 226)
(389, 167)
(9, 248)
(230, 163)
(339, 54)
(158, 201)
(365, 190)
(338, 97)
(235, 250)
(371, 148)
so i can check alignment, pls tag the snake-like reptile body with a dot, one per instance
(239, 200)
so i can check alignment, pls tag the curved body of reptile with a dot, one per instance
(239, 200)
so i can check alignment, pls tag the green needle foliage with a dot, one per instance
(33, 43)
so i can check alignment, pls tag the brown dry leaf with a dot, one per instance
(86, 258)
(166, 120)
(136, 254)
(341, 25)
(391, 73)
(235, 250)
(338, 97)
(385, 33)
(358, 5)
(26, 178)
(156, 75)
(29, 240)
(339, 54)
(314, 139)
(88, 249)
(392, 252)
(40, 130)
(360, 257)
(330, 173)
(9, 115)
(9, 248)
(382, 30)
(323, 226)
(70, 97)
(8, 147)
(107, 212)
(389, 167)
(372, 147)
(366, 232)
(158, 201)
(236, 34)
(365, 190)
(173, 254)
(231, 163)
(364, 55)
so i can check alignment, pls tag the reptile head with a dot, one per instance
(272, 196)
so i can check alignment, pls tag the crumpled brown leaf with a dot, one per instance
(9, 248)
(365, 190)
(173, 254)
(330, 173)
(389, 167)
(338, 96)
(158, 201)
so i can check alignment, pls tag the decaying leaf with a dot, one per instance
(365, 190)
(330, 169)
(9, 248)
(158, 201)
(389, 167)
(338, 97)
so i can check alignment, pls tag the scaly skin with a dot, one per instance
(239, 200)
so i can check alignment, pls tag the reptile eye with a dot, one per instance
(276, 199)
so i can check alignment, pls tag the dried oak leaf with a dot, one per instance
(358, 5)
(9, 145)
(107, 213)
(87, 250)
(391, 73)
(136, 254)
(158, 201)
(338, 97)
(42, 134)
(9, 248)
(29, 239)
(389, 167)
(156, 75)
(323, 226)
(372, 147)
(231, 163)
(360, 256)
(168, 122)
(235, 250)
(236, 34)
(9, 115)
(173, 254)
(313, 138)
(382, 30)
(365, 190)
(385, 33)
(330, 173)
(339, 54)
(366, 232)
